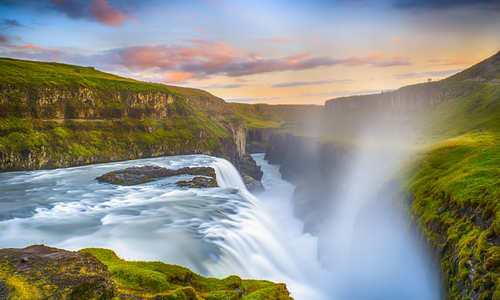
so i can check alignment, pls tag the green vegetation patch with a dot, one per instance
(456, 191)
(154, 279)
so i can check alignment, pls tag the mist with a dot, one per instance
(366, 239)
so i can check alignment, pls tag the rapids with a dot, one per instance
(213, 231)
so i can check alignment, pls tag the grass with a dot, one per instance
(21, 288)
(35, 73)
(455, 186)
(154, 279)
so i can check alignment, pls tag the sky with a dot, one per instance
(299, 52)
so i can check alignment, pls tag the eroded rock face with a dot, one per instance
(138, 175)
(41, 272)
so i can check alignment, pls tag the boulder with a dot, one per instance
(138, 175)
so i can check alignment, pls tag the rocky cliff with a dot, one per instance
(55, 115)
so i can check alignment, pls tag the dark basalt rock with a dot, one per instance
(198, 182)
(138, 175)
(252, 184)
(66, 274)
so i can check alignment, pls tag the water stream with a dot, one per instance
(213, 231)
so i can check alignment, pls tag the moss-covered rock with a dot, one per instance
(41, 272)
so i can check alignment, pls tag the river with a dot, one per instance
(213, 231)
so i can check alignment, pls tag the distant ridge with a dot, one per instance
(419, 97)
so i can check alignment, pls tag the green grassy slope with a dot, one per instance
(455, 186)
(40, 272)
(15, 71)
(157, 279)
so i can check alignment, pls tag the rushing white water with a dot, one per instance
(214, 231)
(226, 230)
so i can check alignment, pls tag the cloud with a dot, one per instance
(279, 39)
(28, 51)
(377, 60)
(446, 4)
(203, 58)
(442, 73)
(251, 99)
(451, 62)
(344, 93)
(9, 23)
(223, 86)
(106, 14)
(176, 77)
(31, 47)
(100, 11)
(198, 58)
(305, 83)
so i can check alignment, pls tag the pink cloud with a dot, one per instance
(29, 47)
(206, 54)
(106, 14)
(98, 10)
(176, 77)
(203, 58)
(376, 59)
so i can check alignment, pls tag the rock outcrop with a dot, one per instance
(38, 272)
(41, 272)
(138, 175)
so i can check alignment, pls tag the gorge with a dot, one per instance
(394, 195)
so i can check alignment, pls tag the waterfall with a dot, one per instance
(253, 242)
(227, 175)
(213, 231)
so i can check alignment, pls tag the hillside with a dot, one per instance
(56, 115)
(41, 272)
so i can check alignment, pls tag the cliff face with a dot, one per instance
(69, 116)
(52, 102)
(408, 99)
(315, 169)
